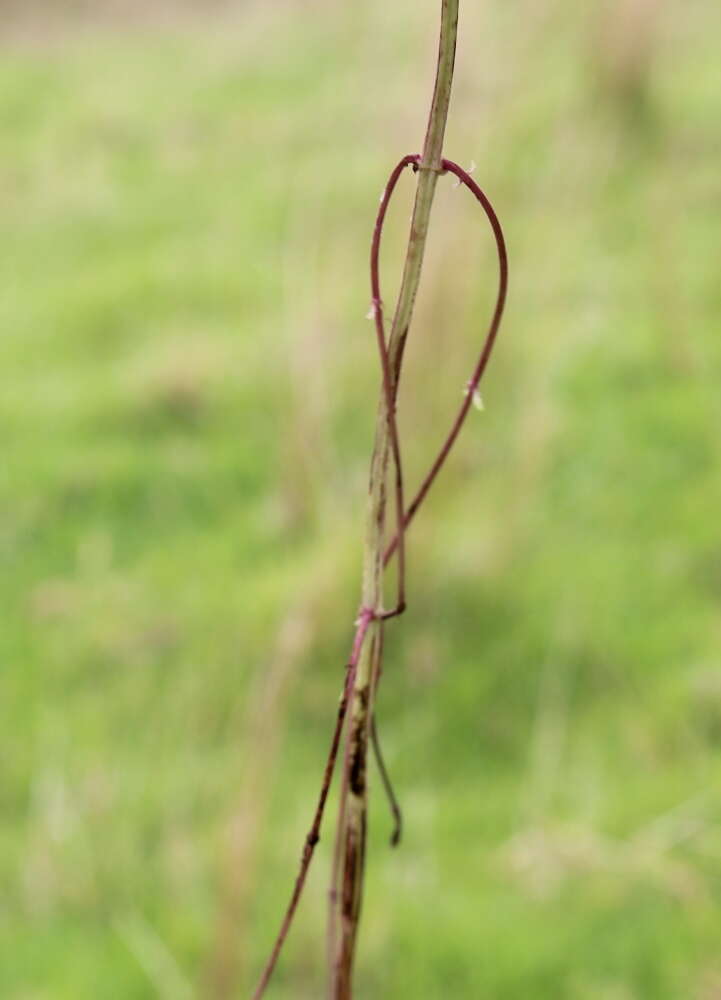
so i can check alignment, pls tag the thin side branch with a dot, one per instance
(388, 786)
(314, 833)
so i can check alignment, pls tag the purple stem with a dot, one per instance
(367, 615)
(389, 388)
(464, 178)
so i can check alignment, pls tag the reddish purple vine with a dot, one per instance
(484, 357)
(403, 515)
(313, 835)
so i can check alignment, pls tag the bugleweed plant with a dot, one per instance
(355, 726)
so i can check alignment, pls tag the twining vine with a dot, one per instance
(355, 714)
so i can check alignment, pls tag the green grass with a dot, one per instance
(188, 398)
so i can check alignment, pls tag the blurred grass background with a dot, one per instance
(188, 397)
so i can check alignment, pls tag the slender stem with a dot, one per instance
(393, 804)
(483, 359)
(387, 785)
(389, 383)
(314, 832)
(355, 712)
(353, 834)
(429, 168)
(367, 616)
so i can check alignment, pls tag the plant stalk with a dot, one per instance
(346, 891)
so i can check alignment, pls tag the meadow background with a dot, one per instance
(186, 413)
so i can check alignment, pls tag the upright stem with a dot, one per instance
(346, 892)
(429, 169)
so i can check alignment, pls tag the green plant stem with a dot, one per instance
(346, 892)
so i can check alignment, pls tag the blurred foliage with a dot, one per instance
(188, 398)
